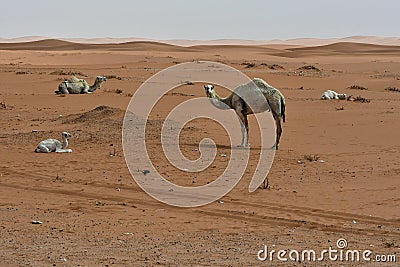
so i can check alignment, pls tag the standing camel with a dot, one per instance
(274, 98)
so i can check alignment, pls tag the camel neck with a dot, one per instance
(226, 101)
(65, 142)
(96, 85)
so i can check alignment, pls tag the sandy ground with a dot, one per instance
(93, 212)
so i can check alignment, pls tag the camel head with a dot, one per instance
(66, 135)
(100, 79)
(209, 90)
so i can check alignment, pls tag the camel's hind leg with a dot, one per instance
(278, 131)
(276, 113)
(64, 150)
(42, 149)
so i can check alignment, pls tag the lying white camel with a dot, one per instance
(329, 94)
(53, 145)
(79, 86)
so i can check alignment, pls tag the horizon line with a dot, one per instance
(222, 41)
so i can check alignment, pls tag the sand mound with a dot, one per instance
(100, 113)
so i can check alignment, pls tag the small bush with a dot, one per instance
(309, 67)
(67, 72)
(248, 64)
(113, 76)
(392, 89)
(180, 94)
(361, 99)
(4, 105)
(22, 72)
(118, 91)
(357, 87)
(273, 66)
(390, 244)
(311, 157)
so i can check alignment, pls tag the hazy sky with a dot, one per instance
(200, 19)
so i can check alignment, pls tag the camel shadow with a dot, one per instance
(196, 145)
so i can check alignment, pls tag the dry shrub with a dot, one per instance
(67, 72)
(273, 66)
(358, 99)
(248, 64)
(22, 72)
(311, 158)
(357, 87)
(3, 105)
(392, 89)
(113, 76)
(309, 67)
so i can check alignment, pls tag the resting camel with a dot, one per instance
(53, 145)
(79, 86)
(330, 94)
(274, 98)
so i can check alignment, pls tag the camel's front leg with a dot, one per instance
(243, 133)
(63, 89)
(244, 126)
(85, 89)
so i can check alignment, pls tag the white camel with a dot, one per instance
(79, 86)
(329, 94)
(274, 100)
(53, 145)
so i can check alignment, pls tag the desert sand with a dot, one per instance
(94, 214)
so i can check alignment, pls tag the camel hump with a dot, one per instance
(73, 79)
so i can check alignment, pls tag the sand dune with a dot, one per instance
(347, 47)
(59, 45)
(343, 48)
(282, 50)
(183, 42)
